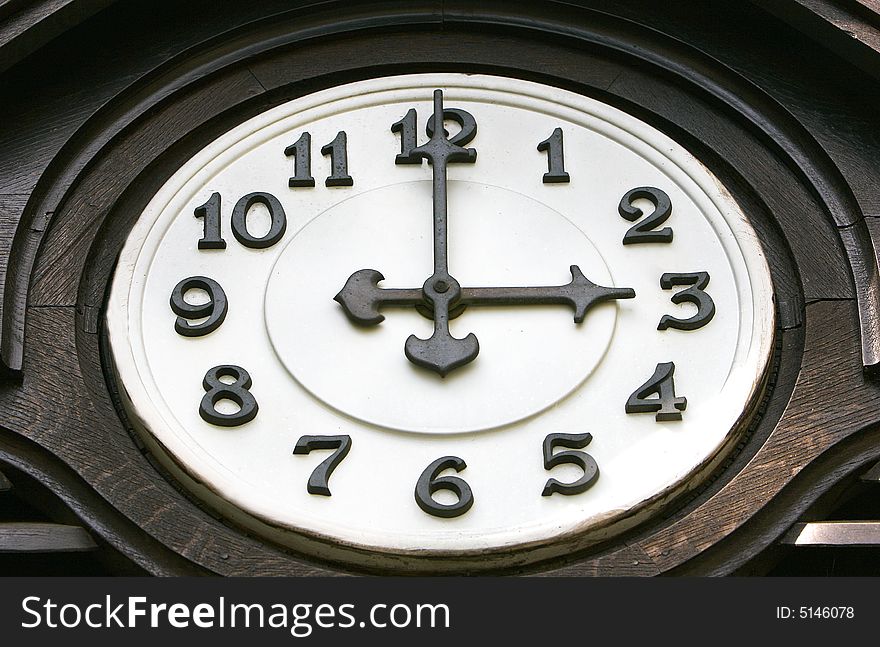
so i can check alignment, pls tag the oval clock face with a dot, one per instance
(383, 342)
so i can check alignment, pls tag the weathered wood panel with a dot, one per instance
(846, 28)
(27, 25)
(90, 508)
(27, 537)
(834, 533)
(11, 207)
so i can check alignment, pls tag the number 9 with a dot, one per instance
(215, 309)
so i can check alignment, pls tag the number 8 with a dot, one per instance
(237, 391)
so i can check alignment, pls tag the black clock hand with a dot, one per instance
(441, 352)
(441, 296)
(361, 298)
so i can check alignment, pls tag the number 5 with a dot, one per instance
(581, 459)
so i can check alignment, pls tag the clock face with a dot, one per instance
(384, 343)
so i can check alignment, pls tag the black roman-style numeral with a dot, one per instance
(555, 159)
(666, 405)
(583, 460)
(407, 127)
(645, 231)
(301, 152)
(695, 295)
(215, 308)
(338, 152)
(318, 481)
(210, 211)
(237, 391)
(429, 483)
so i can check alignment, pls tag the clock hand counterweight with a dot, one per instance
(441, 295)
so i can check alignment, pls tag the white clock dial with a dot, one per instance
(524, 214)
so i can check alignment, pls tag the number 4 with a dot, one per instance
(667, 406)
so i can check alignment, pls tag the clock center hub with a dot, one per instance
(533, 356)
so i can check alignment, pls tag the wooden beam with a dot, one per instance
(27, 26)
(872, 474)
(849, 30)
(26, 537)
(834, 533)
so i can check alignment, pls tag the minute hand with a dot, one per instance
(441, 352)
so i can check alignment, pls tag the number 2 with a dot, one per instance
(645, 232)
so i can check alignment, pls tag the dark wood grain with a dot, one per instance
(772, 56)
(834, 533)
(870, 9)
(32, 537)
(75, 497)
(11, 207)
(873, 474)
(845, 28)
(26, 26)
(860, 241)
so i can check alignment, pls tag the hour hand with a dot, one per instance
(361, 298)
(580, 294)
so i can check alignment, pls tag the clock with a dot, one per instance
(441, 322)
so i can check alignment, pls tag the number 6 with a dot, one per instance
(428, 483)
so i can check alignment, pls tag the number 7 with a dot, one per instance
(318, 480)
